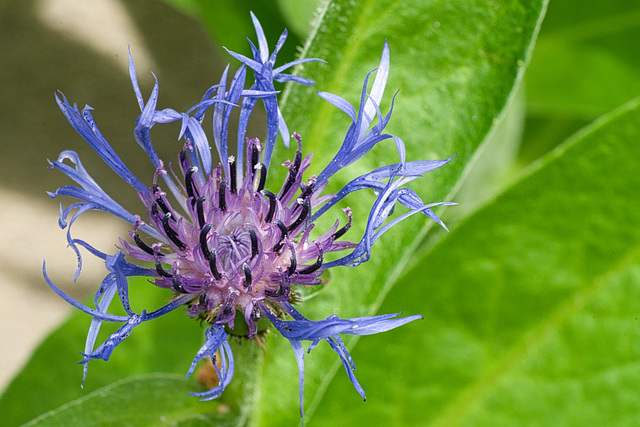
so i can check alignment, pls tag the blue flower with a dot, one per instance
(228, 249)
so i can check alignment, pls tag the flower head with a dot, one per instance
(227, 248)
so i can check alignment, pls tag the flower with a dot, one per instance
(228, 249)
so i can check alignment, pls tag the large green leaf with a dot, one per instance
(454, 66)
(586, 63)
(531, 306)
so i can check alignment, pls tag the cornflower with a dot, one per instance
(231, 251)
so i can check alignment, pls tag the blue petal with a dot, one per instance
(83, 123)
(215, 335)
(216, 340)
(372, 179)
(134, 81)
(284, 78)
(95, 313)
(338, 346)
(113, 264)
(144, 124)
(105, 349)
(312, 330)
(303, 329)
(225, 374)
(339, 102)
(92, 195)
(377, 90)
(262, 40)
(262, 66)
(220, 128)
(288, 65)
(299, 352)
(381, 209)
(102, 300)
(254, 65)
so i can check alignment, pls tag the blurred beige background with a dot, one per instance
(80, 48)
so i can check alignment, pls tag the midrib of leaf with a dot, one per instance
(406, 262)
(528, 344)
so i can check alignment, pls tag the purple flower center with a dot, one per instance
(234, 244)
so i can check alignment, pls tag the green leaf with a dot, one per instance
(531, 306)
(585, 64)
(150, 399)
(586, 61)
(455, 66)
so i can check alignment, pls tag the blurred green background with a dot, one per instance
(530, 303)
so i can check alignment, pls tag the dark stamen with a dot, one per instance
(315, 266)
(291, 178)
(276, 294)
(202, 300)
(177, 286)
(283, 235)
(203, 241)
(142, 245)
(161, 271)
(303, 215)
(227, 310)
(163, 205)
(272, 204)
(171, 233)
(200, 211)
(222, 202)
(212, 265)
(255, 156)
(343, 230)
(159, 201)
(293, 173)
(307, 191)
(254, 242)
(292, 266)
(263, 177)
(232, 174)
(192, 191)
(298, 160)
(247, 275)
